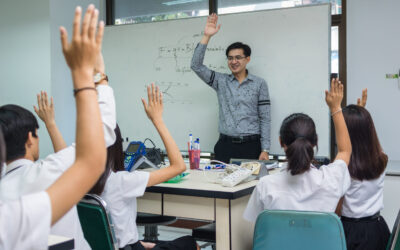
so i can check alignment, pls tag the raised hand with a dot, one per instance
(45, 110)
(154, 106)
(82, 52)
(363, 101)
(211, 25)
(334, 96)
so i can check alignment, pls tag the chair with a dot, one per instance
(286, 230)
(96, 223)
(151, 223)
(394, 240)
(205, 233)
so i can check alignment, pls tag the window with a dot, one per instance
(139, 11)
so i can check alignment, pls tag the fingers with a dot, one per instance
(64, 38)
(51, 102)
(36, 110)
(149, 94)
(99, 36)
(219, 26)
(86, 20)
(144, 104)
(77, 23)
(161, 98)
(93, 24)
(153, 93)
(157, 96)
(46, 101)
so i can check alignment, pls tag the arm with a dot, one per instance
(205, 74)
(81, 55)
(264, 112)
(154, 109)
(45, 111)
(363, 101)
(333, 99)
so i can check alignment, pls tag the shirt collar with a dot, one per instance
(249, 77)
(17, 163)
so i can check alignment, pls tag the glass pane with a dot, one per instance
(138, 11)
(234, 6)
(335, 49)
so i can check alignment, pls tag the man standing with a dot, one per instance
(244, 104)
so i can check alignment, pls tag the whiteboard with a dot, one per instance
(290, 50)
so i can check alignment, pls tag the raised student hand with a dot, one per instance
(211, 25)
(82, 52)
(363, 101)
(154, 105)
(334, 96)
(45, 110)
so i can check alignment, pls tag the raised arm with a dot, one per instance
(212, 27)
(363, 101)
(154, 109)
(334, 99)
(45, 111)
(81, 55)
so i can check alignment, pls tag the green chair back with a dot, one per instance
(96, 223)
(394, 240)
(300, 230)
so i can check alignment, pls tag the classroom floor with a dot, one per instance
(168, 233)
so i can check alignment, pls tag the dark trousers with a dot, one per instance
(225, 149)
(182, 243)
(366, 234)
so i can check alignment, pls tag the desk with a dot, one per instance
(197, 198)
(60, 243)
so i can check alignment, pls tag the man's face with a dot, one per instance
(237, 61)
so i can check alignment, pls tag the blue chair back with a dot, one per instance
(287, 230)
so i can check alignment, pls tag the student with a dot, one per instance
(25, 222)
(363, 225)
(243, 98)
(302, 186)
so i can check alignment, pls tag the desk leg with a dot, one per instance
(222, 220)
(241, 230)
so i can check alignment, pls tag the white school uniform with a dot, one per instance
(120, 194)
(25, 222)
(25, 177)
(363, 198)
(315, 190)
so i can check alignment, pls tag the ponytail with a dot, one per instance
(299, 137)
(299, 154)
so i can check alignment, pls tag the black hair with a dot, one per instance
(299, 135)
(238, 45)
(367, 161)
(2, 152)
(16, 123)
(115, 162)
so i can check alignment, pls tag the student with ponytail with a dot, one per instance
(302, 186)
(363, 225)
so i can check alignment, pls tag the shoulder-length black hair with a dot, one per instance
(115, 162)
(367, 161)
(299, 135)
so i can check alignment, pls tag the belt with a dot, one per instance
(368, 218)
(239, 139)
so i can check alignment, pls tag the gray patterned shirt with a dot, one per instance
(244, 109)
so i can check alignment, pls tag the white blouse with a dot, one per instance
(315, 190)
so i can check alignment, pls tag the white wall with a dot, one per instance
(373, 50)
(61, 14)
(25, 56)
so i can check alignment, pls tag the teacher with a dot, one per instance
(244, 104)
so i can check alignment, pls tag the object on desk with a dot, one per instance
(194, 158)
(177, 178)
(135, 150)
(143, 163)
(153, 154)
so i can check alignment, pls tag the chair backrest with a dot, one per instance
(284, 230)
(394, 240)
(96, 223)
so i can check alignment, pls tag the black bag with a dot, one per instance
(153, 154)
